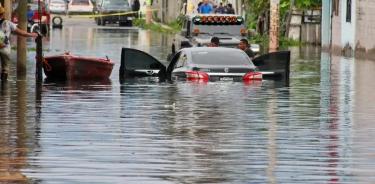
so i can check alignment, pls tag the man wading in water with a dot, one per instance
(6, 28)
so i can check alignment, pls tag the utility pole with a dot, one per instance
(8, 9)
(39, 52)
(274, 25)
(21, 41)
(148, 11)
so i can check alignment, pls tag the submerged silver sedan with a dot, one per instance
(207, 64)
(213, 64)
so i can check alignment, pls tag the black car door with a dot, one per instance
(179, 69)
(136, 63)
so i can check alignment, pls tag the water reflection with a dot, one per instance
(213, 144)
(13, 149)
(86, 85)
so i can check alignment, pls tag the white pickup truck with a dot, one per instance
(198, 29)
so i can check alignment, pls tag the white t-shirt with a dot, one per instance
(6, 28)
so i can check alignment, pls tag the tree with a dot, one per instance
(256, 8)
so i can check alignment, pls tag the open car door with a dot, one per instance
(136, 63)
(275, 65)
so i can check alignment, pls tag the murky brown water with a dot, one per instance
(318, 130)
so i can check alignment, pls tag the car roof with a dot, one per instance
(218, 49)
(55, 1)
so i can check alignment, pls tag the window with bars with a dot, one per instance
(348, 10)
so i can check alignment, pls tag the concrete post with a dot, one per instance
(148, 11)
(21, 41)
(8, 9)
(274, 25)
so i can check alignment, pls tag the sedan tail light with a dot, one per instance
(196, 75)
(252, 76)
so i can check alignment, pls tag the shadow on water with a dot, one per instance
(66, 85)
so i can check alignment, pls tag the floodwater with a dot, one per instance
(317, 130)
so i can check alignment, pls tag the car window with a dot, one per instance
(57, 2)
(181, 61)
(135, 59)
(221, 58)
(115, 2)
(80, 2)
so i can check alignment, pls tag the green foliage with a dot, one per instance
(177, 24)
(308, 4)
(284, 41)
(287, 42)
(256, 8)
(174, 27)
(259, 39)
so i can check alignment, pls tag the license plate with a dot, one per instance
(226, 79)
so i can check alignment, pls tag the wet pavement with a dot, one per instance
(317, 130)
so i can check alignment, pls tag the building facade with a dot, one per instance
(348, 26)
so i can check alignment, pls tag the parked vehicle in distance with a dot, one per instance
(57, 6)
(113, 11)
(80, 6)
(206, 64)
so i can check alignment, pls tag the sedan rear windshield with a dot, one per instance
(220, 58)
(118, 3)
(80, 2)
(57, 2)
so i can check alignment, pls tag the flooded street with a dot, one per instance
(317, 130)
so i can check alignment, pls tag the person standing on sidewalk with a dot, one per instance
(6, 28)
